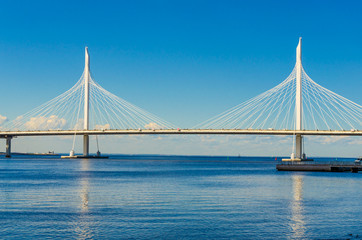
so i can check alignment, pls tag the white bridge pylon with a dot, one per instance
(86, 106)
(298, 103)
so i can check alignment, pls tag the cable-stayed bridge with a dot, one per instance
(297, 106)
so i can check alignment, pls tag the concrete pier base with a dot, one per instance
(81, 156)
(86, 145)
(305, 167)
(299, 146)
(297, 160)
(8, 147)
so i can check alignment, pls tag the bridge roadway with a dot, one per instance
(5, 134)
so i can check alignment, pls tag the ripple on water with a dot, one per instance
(174, 199)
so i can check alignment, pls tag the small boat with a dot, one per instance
(358, 160)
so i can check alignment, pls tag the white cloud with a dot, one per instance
(102, 127)
(79, 125)
(328, 139)
(3, 119)
(17, 123)
(355, 142)
(152, 125)
(208, 139)
(45, 123)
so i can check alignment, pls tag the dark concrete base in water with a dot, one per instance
(320, 167)
(82, 156)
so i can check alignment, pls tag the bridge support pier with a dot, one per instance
(8, 147)
(299, 146)
(86, 145)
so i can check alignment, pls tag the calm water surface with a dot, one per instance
(160, 197)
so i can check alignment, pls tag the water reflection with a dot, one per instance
(297, 209)
(83, 228)
(84, 183)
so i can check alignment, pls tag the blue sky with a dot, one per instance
(184, 61)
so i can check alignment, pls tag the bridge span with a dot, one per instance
(8, 135)
(297, 106)
(181, 132)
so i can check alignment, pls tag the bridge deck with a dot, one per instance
(4, 134)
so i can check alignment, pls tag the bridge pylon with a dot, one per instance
(299, 102)
(299, 154)
(86, 103)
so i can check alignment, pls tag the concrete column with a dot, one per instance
(86, 145)
(86, 103)
(8, 147)
(299, 146)
(299, 102)
(86, 90)
(298, 94)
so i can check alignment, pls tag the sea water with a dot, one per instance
(174, 197)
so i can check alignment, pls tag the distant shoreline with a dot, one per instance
(32, 154)
(174, 155)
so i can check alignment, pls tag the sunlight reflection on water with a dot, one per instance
(297, 211)
(83, 228)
